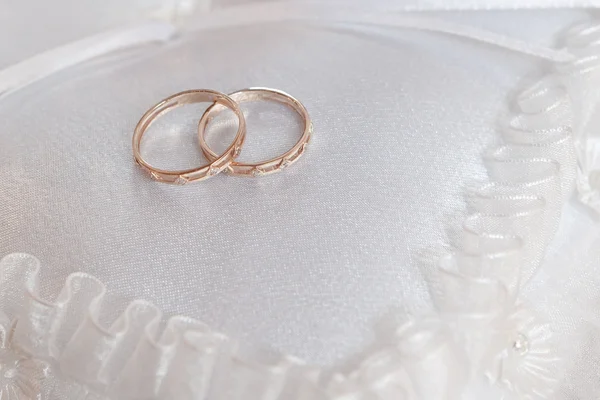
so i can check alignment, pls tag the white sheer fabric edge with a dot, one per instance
(481, 335)
(582, 76)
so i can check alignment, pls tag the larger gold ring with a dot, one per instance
(264, 167)
(217, 163)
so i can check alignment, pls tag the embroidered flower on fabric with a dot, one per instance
(21, 377)
(527, 362)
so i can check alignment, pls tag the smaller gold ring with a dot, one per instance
(217, 164)
(264, 167)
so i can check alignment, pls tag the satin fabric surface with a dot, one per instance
(306, 262)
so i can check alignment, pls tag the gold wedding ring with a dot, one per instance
(264, 167)
(226, 160)
(217, 163)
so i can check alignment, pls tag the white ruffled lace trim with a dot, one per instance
(581, 78)
(59, 349)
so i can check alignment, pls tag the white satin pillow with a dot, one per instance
(303, 261)
(308, 261)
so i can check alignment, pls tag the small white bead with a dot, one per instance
(521, 345)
